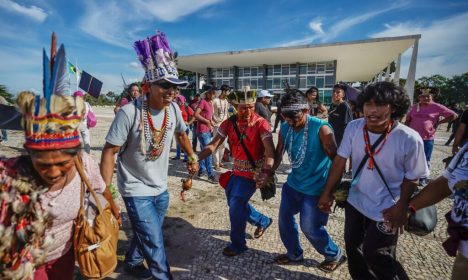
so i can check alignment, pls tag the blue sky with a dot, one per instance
(98, 35)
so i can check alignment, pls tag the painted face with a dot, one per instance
(53, 166)
(425, 98)
(295, 119)
(337, 95)
(135, 91)
(377, 115)
(245, 111)
(163, 91)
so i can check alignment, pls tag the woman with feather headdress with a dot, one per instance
(39, 190)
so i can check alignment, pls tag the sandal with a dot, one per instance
(260, 231)
(330, 266)
(284, 259)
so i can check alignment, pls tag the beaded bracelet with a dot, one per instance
(113, 190)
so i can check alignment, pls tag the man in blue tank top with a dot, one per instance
(310, 145)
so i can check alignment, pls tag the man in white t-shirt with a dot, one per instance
(220, 114)
(454, 181)
(375, 210)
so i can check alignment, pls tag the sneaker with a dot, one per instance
(200, 174)
(212, 179)
(138, 271)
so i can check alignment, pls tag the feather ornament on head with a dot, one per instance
(158, 60)
(52, 122)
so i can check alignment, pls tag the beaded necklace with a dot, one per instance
(301, 152)
(368, 146)
(155, 137)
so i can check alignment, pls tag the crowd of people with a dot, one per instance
(380, 133)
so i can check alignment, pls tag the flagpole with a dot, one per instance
(76, 73)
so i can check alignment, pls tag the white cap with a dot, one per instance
(264, 93)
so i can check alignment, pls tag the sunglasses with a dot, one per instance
(166, 85)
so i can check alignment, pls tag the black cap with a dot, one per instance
(225, 87)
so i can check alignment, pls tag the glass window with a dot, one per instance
(302, 69)
(320, 68)
(277, 70)
(254, 84)
(276, 82)
(329, 81)
(254, 71)
(285, 70)
(292, 69)
(247, 72)
(302, 82)
(247, 82)
(269, 83)
(270, 71)
(310, 81)
(226, 82)
(292, 81)
(325, 96)
(260, 83)
(311, 68)
(319, 82)
(225, 73)
(241, 72)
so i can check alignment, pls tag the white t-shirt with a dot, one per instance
(402, 156)
(220, 110)
(457, 176)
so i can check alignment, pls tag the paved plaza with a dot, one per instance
(196, 231)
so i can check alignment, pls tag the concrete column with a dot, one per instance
(264, 75)
(409, 85)
(396, 76)
(208, 76)
(387, 73)
(197, 83)
(236, 74)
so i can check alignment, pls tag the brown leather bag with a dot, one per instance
(96, 232)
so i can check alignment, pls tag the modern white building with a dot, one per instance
(320, 65)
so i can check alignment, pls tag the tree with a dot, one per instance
(457, 89)
(5, 94)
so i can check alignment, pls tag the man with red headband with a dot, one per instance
(255, 133)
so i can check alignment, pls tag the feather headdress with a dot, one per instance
(158, 60)
(51, 122)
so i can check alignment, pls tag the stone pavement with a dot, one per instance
(196, 231)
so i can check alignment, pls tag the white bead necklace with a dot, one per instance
(297, 161)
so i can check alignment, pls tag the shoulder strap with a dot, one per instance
(236, 129)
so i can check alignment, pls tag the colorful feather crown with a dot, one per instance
(51, 122)
(158, 60)
(243, 97)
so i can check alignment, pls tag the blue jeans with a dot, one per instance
(312, 222)
(238, 193)
(428, 147)
(178, 149)
(206, 165)
(4, 135)
(146, 214)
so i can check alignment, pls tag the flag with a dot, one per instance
(72, 68)
(10, 118)
(90, 84)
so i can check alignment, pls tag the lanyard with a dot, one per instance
(368, 149)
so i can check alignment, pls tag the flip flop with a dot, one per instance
(330, 266)
(260, 231)
(284, 259)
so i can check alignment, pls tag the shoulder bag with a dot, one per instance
(420, 223)
(96, 232)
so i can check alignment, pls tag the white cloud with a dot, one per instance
(336, 29)
(134, 65)
(442, 47)
(32, 11)
(316, 26)
(117, 22)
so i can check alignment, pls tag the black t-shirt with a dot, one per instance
(339, 116)
(263, 111)
(464, 120)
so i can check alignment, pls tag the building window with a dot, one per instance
(311, 68)
(329, 81)
(254, 71)
(302, 69)
(285, 70)
(310, 81)
(277, 70)
(320, 68)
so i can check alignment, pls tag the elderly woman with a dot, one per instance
(39, 191)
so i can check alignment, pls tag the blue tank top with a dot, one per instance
(310, 177)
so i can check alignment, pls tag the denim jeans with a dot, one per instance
(312, 222)
(371, 252)
(4, 135)
(146, 214)
(206, 165)
(178, 149)
(238, 193)
(428, 147)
